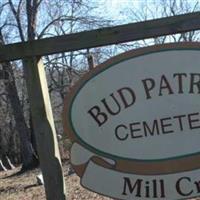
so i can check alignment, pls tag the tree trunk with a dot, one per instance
(29, 157)
(6, 162)
(2, 167)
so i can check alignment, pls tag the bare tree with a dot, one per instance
(25, 20)
(64, 69)
(29, 158)
(158, 9)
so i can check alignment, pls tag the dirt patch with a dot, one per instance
(25, 187)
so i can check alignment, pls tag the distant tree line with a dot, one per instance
(26, 20)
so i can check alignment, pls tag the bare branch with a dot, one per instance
(38, 3)
(19, 7)
(60, 18)
(17, 18)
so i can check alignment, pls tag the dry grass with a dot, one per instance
(24, 187)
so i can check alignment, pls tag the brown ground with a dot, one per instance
(24, 187)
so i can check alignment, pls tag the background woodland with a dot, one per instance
(25, 20)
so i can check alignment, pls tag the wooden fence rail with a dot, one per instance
(101, 37)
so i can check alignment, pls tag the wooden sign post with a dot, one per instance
(44, 129)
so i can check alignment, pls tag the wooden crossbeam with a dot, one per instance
(101, 37)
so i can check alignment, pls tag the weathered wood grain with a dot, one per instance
(102, 37)
(44, 129)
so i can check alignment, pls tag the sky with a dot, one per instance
(113, 8)
(116, 5)
(117, 9)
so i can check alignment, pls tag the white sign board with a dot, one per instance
(135, 124)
